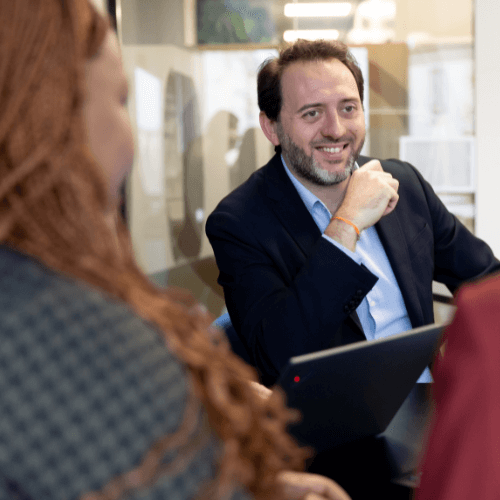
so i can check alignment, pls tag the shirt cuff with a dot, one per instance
(355, 257)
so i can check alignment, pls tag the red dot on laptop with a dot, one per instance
(296, 378)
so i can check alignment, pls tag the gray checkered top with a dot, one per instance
(86, 387)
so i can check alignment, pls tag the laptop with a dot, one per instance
(352, 392)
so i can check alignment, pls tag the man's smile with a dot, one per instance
(332, 151)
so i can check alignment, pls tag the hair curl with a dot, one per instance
(53, 206)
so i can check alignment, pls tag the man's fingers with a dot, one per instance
(394, 183)
(261, 390)
(392, 204)
(371, 194)
(302, 485)
(373, 172)
(372, 165)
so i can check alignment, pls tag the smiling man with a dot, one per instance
(332, 125)
(322, 247)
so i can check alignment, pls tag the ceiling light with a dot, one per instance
(378, 9)
(292, 35)
(323, 9)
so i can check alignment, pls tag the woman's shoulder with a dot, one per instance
(87, 386)
(89, 392)
(59, 317)
(25, 282)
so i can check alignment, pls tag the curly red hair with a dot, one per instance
(53, 202)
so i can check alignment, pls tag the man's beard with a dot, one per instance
(307, 167)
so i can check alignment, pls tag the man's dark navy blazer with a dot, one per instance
(289, 291)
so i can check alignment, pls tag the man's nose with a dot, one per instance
(333, 126)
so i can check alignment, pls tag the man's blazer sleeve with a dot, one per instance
(283, 300)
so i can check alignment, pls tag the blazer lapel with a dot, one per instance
(289, 207)
(392, 237)
(293, 214)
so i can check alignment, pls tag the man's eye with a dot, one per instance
(311, 114)
(349, 108)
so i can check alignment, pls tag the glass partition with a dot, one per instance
(192, 68)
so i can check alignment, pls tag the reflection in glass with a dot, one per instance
(183, 166)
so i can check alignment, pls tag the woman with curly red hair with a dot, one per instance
(110, 387)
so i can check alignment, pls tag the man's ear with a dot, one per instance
(268, 126)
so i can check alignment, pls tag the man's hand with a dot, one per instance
(371, 194)
(305, 486)
(261, 390)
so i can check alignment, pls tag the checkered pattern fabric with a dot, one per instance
(86, 387)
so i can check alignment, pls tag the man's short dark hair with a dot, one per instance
(269, 78)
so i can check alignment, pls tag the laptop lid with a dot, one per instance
(351, 392)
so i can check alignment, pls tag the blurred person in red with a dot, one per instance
(463, 452)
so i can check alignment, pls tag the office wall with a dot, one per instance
(438, 18)
(152, 22)
(487, 41)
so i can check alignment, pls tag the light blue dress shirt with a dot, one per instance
(382, 312)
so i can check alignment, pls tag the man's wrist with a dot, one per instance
(352, 255)
(342, 232)
(347, 221)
